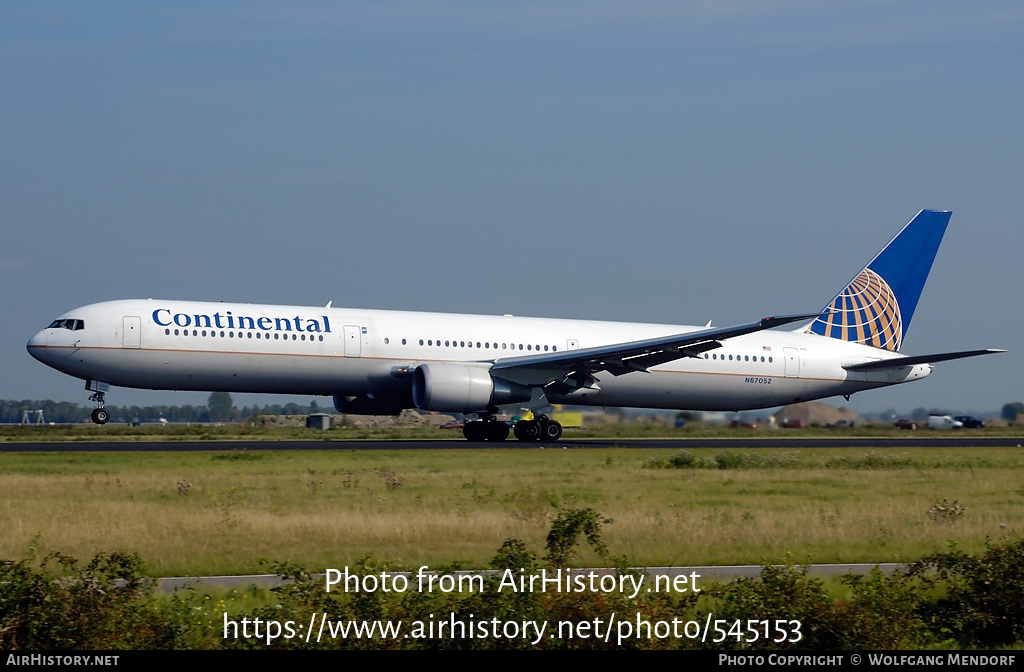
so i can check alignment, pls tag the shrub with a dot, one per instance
(984, 601)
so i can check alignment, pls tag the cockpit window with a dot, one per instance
(71, 325)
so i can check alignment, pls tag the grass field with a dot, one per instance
(224, 511)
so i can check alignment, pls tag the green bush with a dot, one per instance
(984, 601)
(947, 599)
(105, 605)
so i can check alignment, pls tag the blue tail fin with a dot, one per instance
(876, 307)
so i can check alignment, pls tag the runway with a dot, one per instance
(961, 440)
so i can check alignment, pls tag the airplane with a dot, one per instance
(380, 362)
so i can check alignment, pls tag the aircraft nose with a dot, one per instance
(37, 346)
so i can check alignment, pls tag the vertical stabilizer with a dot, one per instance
(877, 306)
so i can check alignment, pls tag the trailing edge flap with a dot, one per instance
(638, 355)
(897, 362)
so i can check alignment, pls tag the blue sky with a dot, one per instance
(658, 162)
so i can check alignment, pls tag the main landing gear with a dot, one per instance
(490, 429)
(487, 429)
(540, 429)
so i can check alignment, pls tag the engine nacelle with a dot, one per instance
(364, 405)
(460, 388)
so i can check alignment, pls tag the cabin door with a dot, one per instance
(792, 362)
(131, 336)
(352, 340)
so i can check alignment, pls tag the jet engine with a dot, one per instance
(461, 388)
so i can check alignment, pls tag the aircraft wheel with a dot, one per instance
(527, 430)
(497, 431)
(551, 430)
(475, 430)
(100, 416)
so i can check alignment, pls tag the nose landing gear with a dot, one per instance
(99, 415)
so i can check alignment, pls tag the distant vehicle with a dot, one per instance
(970, 422)
(906, 424)
(793, 424)
(746, 425)
(943, 422)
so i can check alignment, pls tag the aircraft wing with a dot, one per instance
(575, 368)
(896, 362)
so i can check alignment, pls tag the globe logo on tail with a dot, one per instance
(865, 312)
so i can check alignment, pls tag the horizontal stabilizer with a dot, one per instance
(897, 362)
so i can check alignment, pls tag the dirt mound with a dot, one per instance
(407, 418)
(817, 413)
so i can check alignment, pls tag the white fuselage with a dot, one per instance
(179, 345)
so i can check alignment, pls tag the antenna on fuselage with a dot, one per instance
(329, 303)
